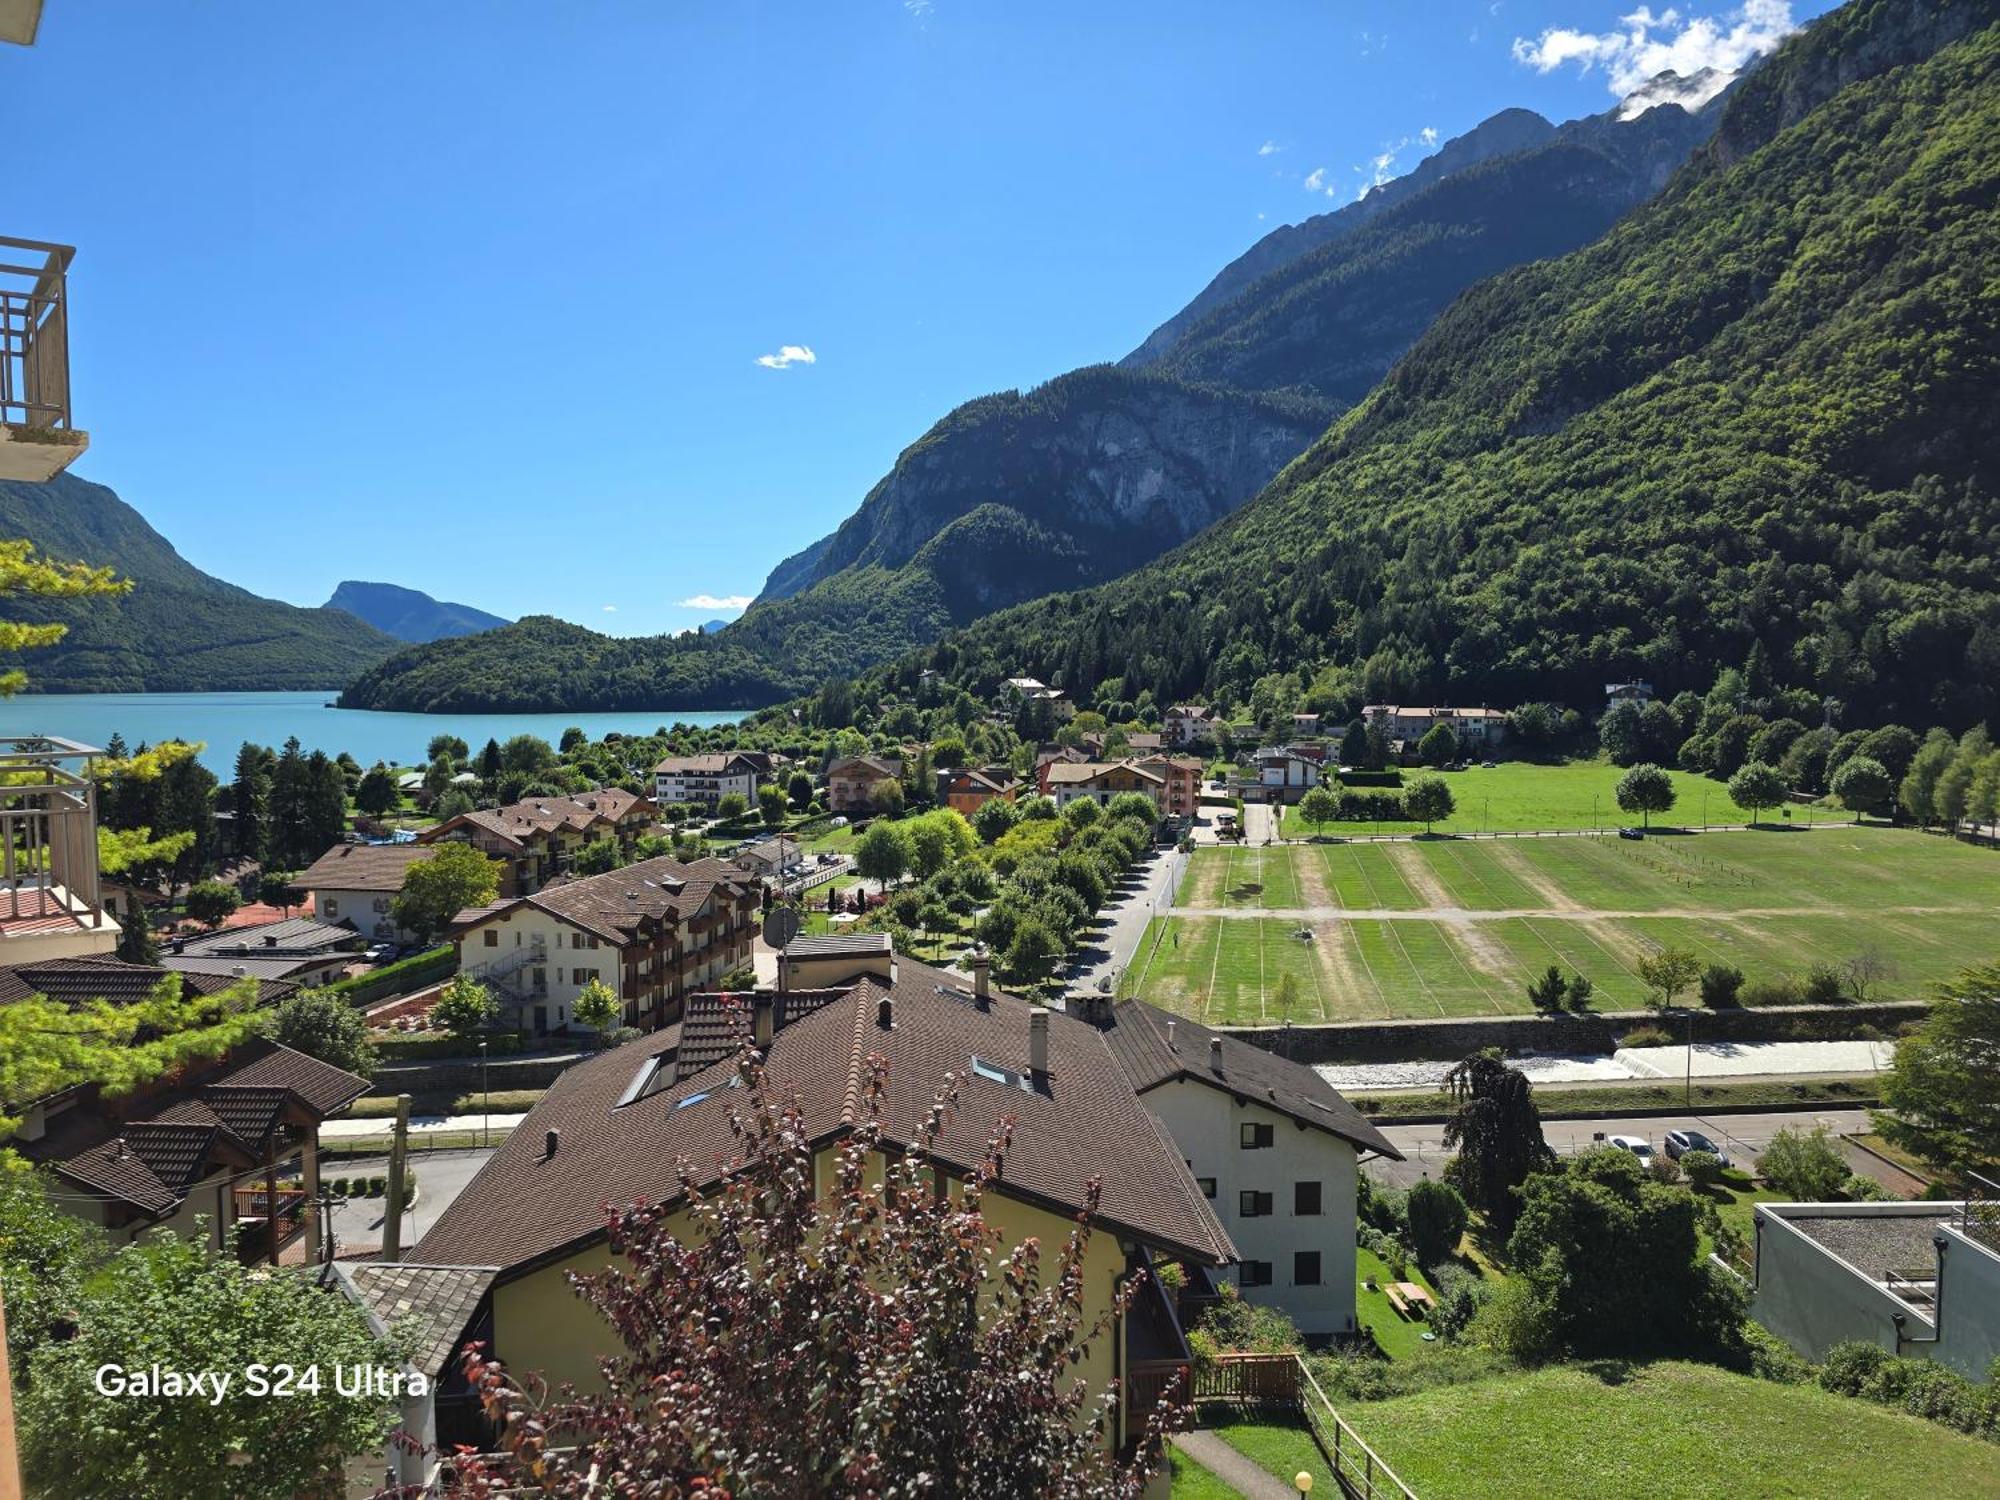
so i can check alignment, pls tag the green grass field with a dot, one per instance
(1483, 917)
(1667, 1431)
(1398, 1336)
(1577, 794)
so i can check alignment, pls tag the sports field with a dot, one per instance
(1518, 795)
(1449, 927)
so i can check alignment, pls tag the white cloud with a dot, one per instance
(1428, 136)
(611, 609)
(787, 356)
(1316, 182)
(1269, 148)
(1646, 43)
(711, 601)
(921, 9)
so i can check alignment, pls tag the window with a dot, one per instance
(1207, 1186)
(1305, 1268)
(1256, 1137)
(1305, 1198)
(329, 907)
(492, 937)
(1253, 1205)
(381, 903)
(1253, 1273)
(582, 976)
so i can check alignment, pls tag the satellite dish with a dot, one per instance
(781, 925)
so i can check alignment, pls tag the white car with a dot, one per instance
(1642, 1149)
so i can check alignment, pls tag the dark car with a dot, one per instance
(1680, 1142)
(1631, 833)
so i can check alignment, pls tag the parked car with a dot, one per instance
(380, 953)
(1631, 833)
(1680, 1142)
(1487, 765)
(1643, 1149)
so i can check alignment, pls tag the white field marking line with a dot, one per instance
(1564, 957)
(1214, 967)
(1444, 931)
(1262, 987)
(1598, 943)
(1368, 880)
(1459, 857)
(1313, 966)
(1422, 853)
(1381, 995)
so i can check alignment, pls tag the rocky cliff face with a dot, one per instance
(1123, 464)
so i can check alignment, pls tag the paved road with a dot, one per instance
(1121, 921)
(441, 1177)
(1741, 1136)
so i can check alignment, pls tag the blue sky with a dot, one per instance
(471, 295)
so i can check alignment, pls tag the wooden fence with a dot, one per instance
(1284, 1380)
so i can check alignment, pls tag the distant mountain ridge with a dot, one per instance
(408, 614)
(1099, 471)
(180, 629)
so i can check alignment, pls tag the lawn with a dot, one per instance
(1517, 795)
(1281, 1449)
(1668, 1431)
(1399, 1336)
(1193, 1482)
(1452, 927)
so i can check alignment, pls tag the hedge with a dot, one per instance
(399, 978)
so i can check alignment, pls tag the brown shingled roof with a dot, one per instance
(430, 1306)
(1138, 1038)
(1085, 1122)
(363, 867)
(76, 981)
(615, 904)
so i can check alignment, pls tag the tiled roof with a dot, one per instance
(1084, 1122)
(518, 822)
(322, 1087)
(1082, 773)
(289, 938)
(718, 764)
(839, 945)
(430, 1306)
(75, 981)
(715, 1026)
(1138, 1038)
(363, 867)
(614, 905)
(874, 767)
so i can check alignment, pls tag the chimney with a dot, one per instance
(1170, 1034)
(550, 1142)
(982, 967)
(885, 1012)
(270, 941)
(237, 971)
(1038, 1040)
(1215, 1053)
(763, 1019)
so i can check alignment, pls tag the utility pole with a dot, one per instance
(392, 1222)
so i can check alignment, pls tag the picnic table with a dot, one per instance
(1415, 1295)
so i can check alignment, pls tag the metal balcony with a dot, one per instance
(38, 438)
(50, 903)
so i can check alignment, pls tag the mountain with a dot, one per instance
(179, 630)
(1503, 134)
(407, 614)
(1751, 425)
(1022, 494)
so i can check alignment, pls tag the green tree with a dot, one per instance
(465, 1007)
(1804, 1164)
(212, 902)
(995, 816)
(437, 889)
(1034, 947)
(1319, 807)
(326, 1027)
(800, 790)
(448, 747)
(1756, 786)
(325, 804)
(1081, 813)
(1611, 1262)
(46, 1255)
(1918, 791)
(731, 805)
(1942, 1092)
(1646, 789)
(527, 753)
(378, 794)
(1497, 1132)
(573, 739)
(136, 943)
(1437, 1217)
(598, 1007)
(1666, 972)
(23, 575)
(1721, 986)
(771, 804)
(176, 1305)
(938, 839)
(1862, 785)
(1354, 745)
(884, 853)
(1621, 733)
(1428, 799)
(1439, 746)
(949, 754)
(1547, 992)
(250, 799)
(598, 857)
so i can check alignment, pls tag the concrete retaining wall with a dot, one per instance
(1400, 1041)
(459, 1075)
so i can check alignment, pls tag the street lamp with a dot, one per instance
(485, 1100)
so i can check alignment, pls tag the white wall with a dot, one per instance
(1206, 1125)
(1969, 1335)
(360, 911)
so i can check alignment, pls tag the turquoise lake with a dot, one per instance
(223, 721)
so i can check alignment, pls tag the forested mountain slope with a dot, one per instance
(409, 614)
(179, 630)
(1756, 416)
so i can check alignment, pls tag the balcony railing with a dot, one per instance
(48, 834)
(34, 334)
